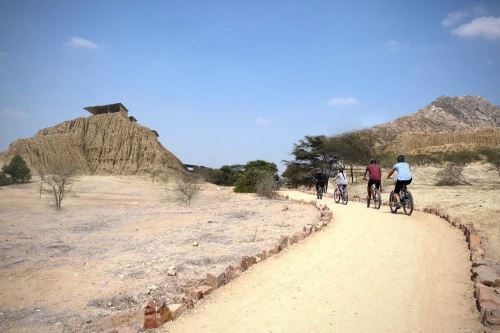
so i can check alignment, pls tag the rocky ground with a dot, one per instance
(118, 242)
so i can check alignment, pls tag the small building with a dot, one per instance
(118, 108)
(132, 119)
(155, 133)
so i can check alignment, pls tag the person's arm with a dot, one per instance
(390, 173)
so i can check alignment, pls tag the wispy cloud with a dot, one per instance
(79, 42)
(458, 16)
(9, 114)
(487, 27)
(262, 121)
(342, 101)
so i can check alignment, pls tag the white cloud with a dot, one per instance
(9, 114)
(78, 42)
(262, 121)
(342, 101)
(458, 16)
(487, 27)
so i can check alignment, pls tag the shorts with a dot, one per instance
(342, 186)
(376, 182)
(400, 183)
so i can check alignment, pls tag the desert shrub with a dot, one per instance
(4, 180)
(425, 159)
(492, 156)
(187, 186)
(56, 179)
(17, 170)
(451, 175)
(266, 186)
(461, 157)
(253, 172)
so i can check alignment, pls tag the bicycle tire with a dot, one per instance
(377, 199)
(336, 195)
(408, 206)
(345, 197)
(393, 206)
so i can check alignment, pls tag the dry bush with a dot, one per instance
(451, 175)
(56, 180)
(266, 186)
(187, 186)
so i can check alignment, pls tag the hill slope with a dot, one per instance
(101, 144)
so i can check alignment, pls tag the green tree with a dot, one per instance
(4, 180)
(17, 170)
(492, 156)
(254, 172)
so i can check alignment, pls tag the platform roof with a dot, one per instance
(108, 108)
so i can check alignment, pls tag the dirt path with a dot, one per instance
(371, 271)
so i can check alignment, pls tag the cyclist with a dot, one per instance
(404, 176)
(341, 180)
(320, 184)
(373, 170)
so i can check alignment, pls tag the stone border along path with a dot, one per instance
(157, 312)
(484, 271)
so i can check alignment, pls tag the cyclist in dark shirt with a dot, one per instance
(375, 174)
(320, 184)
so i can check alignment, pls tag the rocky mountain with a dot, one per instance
(447, 123)
(100, 144)
(449, 114)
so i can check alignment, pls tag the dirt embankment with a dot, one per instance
(101, 144)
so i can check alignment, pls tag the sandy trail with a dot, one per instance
(371, 271)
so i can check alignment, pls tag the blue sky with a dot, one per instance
(230, 81)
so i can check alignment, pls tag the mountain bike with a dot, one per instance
(406, 201)
(341, 195)
(375, 197)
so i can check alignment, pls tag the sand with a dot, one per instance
(93, 266)
(369, 271)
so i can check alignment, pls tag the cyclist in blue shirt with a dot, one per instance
(404, 176)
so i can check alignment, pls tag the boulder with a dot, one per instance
(216, 280)
(156, 313)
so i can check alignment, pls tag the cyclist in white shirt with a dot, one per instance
(341, 180)
(404, 175)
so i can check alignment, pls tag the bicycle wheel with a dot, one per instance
(408, 205)
(336, 195)
(345, 198)
(393, 206)
(377, 198)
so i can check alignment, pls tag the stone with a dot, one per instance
(488, 298)
(283, 243)
(216, 280)
(156, 313)
(187, 302)
(195, 243)
(205, 289)
(285, 208)
(486, 275)
(196, 294)
(176, 310)
(231, 273)
(491, 318)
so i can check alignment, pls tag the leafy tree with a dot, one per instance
(312, 154)
(254, 172)
(17, 170)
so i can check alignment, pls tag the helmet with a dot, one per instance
(401, 158)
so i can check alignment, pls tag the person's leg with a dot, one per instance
(397, 189)
(369, 190)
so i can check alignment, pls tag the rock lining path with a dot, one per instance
(369, 271)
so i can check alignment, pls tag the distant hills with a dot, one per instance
(99, 144)
(447, 123)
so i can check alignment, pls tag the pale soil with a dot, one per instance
(368, 271)
(90, 267)
(477, 203)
